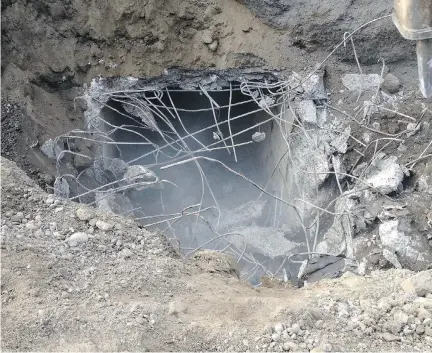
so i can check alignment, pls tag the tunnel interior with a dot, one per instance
(213, 195)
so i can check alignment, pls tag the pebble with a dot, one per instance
(295, 328)
(77, 238)
(275, 337)
(84, 214)
(105, 226)
(423, 314)
(207, 37)
(420, 329)
(428, 331)
(389, 337)
(17, 217)
(30, 226)
(319, 324)
(125, 253)
(213, 46)
(278, 328)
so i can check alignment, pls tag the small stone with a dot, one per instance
(246, 343)
(30, 226)
(125, 253)
(77, 238)
(319, 324)
(278, 328)
(389, 337)
(49, 201)
(176, 308)
(213, 45)
(412, 129)
(391, 84)
(423, 314)
(428, 331)
(275, 337)
(105, 226)
(17, 217)
(420, 329)
(207, 37)
(290, 346)
(84, 214)
(295, 328)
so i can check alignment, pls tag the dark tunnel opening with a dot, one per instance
(205, 204)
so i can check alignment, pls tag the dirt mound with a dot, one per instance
(76, 279)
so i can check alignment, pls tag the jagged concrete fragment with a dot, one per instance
(114, 203)
(385, 174)
(138, 174)
(357, 82)
(306, 111)
(118, 168)
(141, 111)
(411, 248)
(338, 239)
(61, 188)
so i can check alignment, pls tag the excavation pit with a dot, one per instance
(211, 161)
(214, 155)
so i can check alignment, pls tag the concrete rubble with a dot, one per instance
(385, 174)
(358, 83)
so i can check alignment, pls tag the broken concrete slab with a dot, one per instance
(385, 174)
(358, 83)
(410, 247)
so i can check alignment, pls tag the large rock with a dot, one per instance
(420, 284)
(411, 248)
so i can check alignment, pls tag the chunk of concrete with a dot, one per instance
(385, 174)
(338, 239)
(306, 111)
(411, 248)
(140, 110)
(77, 239)
(357, 82)
(420, 284)
(138, 174)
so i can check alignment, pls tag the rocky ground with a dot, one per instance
(76, 279)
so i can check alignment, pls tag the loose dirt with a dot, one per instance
(123, 288)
